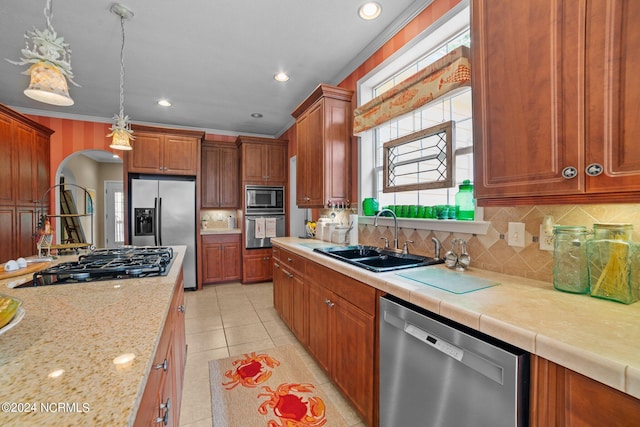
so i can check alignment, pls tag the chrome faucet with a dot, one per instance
(436, 249)
(395, 227)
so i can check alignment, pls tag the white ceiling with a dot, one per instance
(214, 60)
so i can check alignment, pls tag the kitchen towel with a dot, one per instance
(259, 231)
(270, 227)
(269, 388)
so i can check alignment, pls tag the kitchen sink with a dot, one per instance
(376, 259)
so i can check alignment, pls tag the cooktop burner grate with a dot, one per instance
(108, 264)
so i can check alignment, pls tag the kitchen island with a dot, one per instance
(597, 339)
(68, 361)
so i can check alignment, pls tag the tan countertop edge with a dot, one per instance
(220, 231)
(64, 327)
(597, 338)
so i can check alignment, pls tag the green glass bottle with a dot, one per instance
(465, 203)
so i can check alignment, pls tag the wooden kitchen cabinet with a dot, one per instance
(257, 265)
(24, 179)
(323, 135)
(220, 175)
(221, 258)
(164, 151)
(342, 331)
(162, 397)
(263, 160)
(562, 397)
(290, 292)
(555, 111)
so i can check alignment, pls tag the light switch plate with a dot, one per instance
(516, 234)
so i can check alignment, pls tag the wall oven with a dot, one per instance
(264, 215)
(264, 199)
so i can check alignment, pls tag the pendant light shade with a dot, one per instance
(48, 85)
(120, 140)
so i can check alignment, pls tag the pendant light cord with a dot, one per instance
(122, 69)
(48, 13)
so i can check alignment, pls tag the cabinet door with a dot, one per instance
(180, 155)
(212, 269)
(528, 97)
(146, 156)
(179, 346)
(42, 165)
(278, 284)
(253, 162)
(210, 177)
(319, 325)
(7, 233)
(310, 146)
(7, 161)
(26, 173)
(299, 304)
(613, 90)
(229, 188)
(352, 355)
(336, 167)
(277, 163)
(257, 267)
(26, 228)
(231, 261)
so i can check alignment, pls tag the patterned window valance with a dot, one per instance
(446, 74)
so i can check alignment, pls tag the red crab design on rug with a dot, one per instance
(252, 370)
(290, 408)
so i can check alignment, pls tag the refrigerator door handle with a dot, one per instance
(155, 220)
(159, 229)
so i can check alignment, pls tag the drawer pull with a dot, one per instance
(164, 365)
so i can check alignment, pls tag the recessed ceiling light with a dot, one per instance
(256, 115)
(164, 103)
(370, 10)
(281, 77)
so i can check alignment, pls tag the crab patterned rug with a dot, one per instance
(270, 388)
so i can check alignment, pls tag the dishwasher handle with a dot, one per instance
(466, 357)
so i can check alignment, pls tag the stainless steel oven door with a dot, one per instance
(259, 230)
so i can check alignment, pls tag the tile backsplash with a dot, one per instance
(491, 251)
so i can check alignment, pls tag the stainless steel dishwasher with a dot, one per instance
(437, 373)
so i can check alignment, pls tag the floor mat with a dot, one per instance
(268, 388)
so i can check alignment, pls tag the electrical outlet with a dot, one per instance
(516, 234)
(546, 239)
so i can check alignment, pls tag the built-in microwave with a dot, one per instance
(264, 199)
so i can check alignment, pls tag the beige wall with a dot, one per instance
(491, 251)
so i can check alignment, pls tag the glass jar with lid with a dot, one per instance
(613, 263)
(570, 259)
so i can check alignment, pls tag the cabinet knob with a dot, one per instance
(164, 420)
(181, 308)
(289, 259)
(594, 169)
(329, 303)
(164, 365)
(276, 265)
(569, 172)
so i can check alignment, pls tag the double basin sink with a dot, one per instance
(376, 259)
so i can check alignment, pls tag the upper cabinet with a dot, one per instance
(164, 151)
(220, 175)
(263, 160)
(323, 135)
(555, 112)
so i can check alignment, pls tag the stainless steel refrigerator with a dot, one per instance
(163, 213)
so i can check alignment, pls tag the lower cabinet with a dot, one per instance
(257, 266)
(160, 403)
(562, 397)
(221, 258)
(334, 317)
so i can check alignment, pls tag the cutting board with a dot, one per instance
(29, 269)
(448, 280)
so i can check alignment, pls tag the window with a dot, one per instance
(452, 32)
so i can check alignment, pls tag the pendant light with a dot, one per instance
(121, 129)
(50, 59)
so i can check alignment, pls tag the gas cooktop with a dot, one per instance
(127, 262)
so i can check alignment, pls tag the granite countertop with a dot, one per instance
(60, 357)
(594, 337)
(220, 231)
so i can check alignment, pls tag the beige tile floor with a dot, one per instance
(231, 319)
